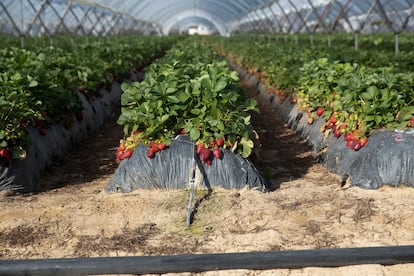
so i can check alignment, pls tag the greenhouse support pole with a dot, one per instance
(356, 41)
(397, 43)
(329, 40)
(22, 44)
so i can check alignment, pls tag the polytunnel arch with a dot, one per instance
(218, 24)
(173, 11)
(150, 10)
(108, 17)
(184, 25)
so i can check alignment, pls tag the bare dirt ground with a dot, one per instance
(71, 215)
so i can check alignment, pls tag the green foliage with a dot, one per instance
(365, 90)
(39, 85)
(365, 98)
(17, 109)
(191, 88)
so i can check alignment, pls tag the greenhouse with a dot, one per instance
(236, 137)
(52, 17)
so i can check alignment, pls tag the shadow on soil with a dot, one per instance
(282, 155)
(92, 159)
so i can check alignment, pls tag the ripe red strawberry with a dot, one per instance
(40, 123)
(350, 136)
(150, 153)
(350, 143)
(5, 153)
(205, 154)
(23, 123)
(162, 146)
(331, 125)
(154, 147)
(411, 122)
(121, 147)
(212, 143)
(199, 147)
(220, 142)
(119, 155)
(127, 154)
(320, 111)
(363, 141)
(357, 146)
(332, 120)
(336, 133)
(217, 153)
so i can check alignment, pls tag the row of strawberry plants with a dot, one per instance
(189, 91)
(376, 50)
(355, 99)
(39, 86)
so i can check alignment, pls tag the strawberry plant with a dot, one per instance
(39, 86)
(191, 91)
(357, 99)
(17, 110)
(356, 92)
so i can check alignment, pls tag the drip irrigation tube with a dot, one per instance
(390, 255)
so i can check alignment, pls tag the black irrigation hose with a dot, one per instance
(210, 262)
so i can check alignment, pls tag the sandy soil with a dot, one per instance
(72, 216)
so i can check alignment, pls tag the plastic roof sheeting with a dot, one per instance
(51, 17)
(104, 17)
(295, 16)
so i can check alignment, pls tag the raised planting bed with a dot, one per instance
(175, 167)
(22, 175)
(52, 97)
(386, 159)
(354, 109)
(187, 116)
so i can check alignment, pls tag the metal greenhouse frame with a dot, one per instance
(52, 17)
(319, 16)
(109, 17)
